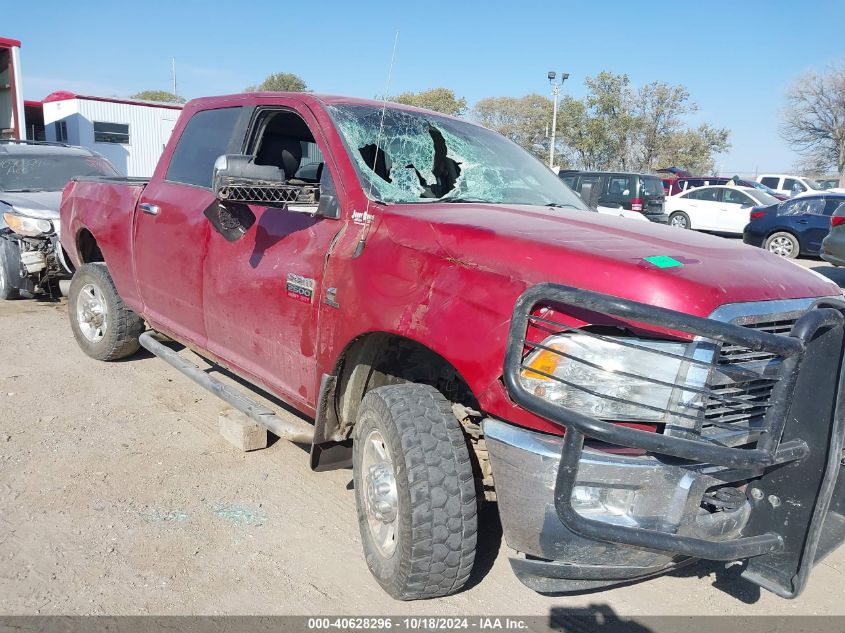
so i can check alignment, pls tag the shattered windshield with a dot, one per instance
(416, 157)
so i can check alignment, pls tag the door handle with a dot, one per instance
(803, 221)
(151, 209)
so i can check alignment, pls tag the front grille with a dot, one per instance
(742, 420)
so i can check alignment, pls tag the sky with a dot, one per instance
(736, 58)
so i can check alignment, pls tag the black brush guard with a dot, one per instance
(797, 493)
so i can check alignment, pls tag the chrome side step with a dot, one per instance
(292, 428)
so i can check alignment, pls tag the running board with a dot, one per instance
(292, 429)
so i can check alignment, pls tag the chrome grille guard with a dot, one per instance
(796, 456)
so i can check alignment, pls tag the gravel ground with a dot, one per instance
(118, 496)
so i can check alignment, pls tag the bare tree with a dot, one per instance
(814, 119)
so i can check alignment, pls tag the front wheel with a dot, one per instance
(102, 324)
(783, 244)
(679, 219)
(414, 491)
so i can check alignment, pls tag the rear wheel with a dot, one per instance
(679, 219)
(783, 244)
(7, 256)
(102, 324)
(415, 492)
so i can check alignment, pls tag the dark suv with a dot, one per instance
(615, 190)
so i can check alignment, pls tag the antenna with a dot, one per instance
(367, 218)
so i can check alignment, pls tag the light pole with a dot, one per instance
(555, 93)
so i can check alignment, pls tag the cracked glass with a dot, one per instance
(417, 157)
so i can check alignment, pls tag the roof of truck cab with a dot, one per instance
(203, 103)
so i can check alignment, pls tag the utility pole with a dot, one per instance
(555, 93)
(173, 74)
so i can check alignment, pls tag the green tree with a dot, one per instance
(524, 120)
(814, 120)
(280, 82)
(597, 131)
(617, 127)
(437, 99)
(158, 95)
(693, 149)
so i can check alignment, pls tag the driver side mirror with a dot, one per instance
(238, 182)
(237, 178)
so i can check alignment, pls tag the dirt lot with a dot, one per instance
(118, 496)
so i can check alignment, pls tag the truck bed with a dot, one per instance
(103, 206)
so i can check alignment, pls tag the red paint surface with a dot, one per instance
(445, 275)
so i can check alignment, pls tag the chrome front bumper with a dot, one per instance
(634, 491)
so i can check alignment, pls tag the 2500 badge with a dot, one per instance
(300, 288)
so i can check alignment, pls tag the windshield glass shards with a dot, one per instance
(417, 157)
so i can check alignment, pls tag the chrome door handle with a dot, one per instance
(151, 209)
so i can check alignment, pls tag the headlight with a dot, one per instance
(30, 227)
(612, 381)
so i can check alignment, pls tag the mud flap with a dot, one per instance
(804, 500)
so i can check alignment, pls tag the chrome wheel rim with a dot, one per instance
(679, 221)
(782, 246)
(92, 313)
(380, 497)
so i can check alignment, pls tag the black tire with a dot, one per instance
(7, 255)
(122, 326)
(437, 524)
(680, 219)
(784, 244)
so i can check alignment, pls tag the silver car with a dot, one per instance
(833, 246)
(32, 176)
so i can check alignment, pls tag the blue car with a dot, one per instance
(794, 227)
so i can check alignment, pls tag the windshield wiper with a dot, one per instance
(23, 190)
(562, 205)
(463, 200)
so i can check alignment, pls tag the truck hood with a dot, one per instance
(603, 253)
(43, 205)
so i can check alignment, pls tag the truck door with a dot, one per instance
(263, 293)
(171, 233)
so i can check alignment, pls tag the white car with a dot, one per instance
(717, 208)
(793, 185)
(622, 213)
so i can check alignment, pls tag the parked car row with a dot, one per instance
(676, 186)
(765, 217)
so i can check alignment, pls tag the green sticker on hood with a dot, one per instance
(663, 261)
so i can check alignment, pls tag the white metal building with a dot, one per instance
(11, 95)
(131, 134)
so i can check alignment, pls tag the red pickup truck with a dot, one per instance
(443, 308)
